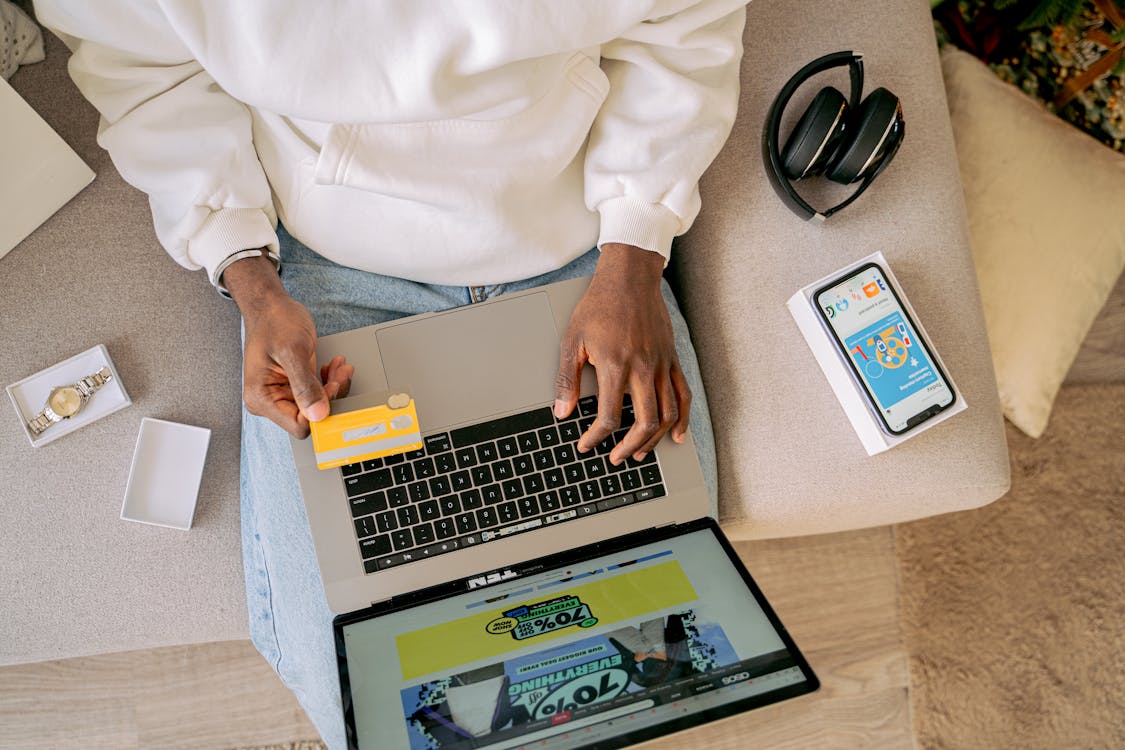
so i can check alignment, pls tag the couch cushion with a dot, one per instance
(789, 462)
(1045, 211)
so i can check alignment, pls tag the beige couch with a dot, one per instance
(77, 580)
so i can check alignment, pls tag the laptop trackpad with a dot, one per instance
(471, 363)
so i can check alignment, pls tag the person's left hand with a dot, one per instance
(621, 327)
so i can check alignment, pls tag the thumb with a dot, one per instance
(568, 381)
(308, 393)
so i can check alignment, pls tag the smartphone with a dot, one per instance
(902, 379)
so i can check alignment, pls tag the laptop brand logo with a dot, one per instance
(491, 578)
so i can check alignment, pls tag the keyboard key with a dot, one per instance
(496, 428)
(403, 474)
(397, 497)
(376, 545)
(492, 494)
(407, 516)
(569, 432)
(466, 522)
(649, 493)
(402, 539)
(429, 510)
(611, 485)
(595, 467)
(528, 442)
(513, 488)
(423, 533)
(588, 509)
(554, 478)
(397, 458)
(471, 499)
(507, 447)
(482, 475)
(486, 452)
(445, 463)
(367, 504)
(460, 481)
(365, 526)
(615, 467)
(590, 491)
(543, 460)
(549, 501)
(529, 506)
(548, 436)
(386, 521)
(362, 484)
(628, 417)
(372, 464)
(524, 464)
(650, 474)
(574, 473)
(419, 491)
(631, 480)
(507, 512)
(447, 545)
(437, 443)
(649, 458)
(605, 446)
(440, 486)
(588, 406)
(533, 484)
(564, 454)
(424, 468)
(466, 457)
(570, 496)
(614, 502)
(414, 455)
(503, 470)
(350, 469)
(585, 423)
(486, 518)
(450, 505)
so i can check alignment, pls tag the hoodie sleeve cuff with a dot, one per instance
(632, 222)
(228, 231)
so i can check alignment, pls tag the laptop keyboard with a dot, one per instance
(488, 481)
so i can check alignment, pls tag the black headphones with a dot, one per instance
(845, 140)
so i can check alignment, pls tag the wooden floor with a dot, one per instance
(837, 594)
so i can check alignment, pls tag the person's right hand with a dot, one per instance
(280, 381)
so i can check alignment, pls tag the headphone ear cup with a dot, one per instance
(815, 138)
(868, 128)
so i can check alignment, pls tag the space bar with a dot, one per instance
(478, 433)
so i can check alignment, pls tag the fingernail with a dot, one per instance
(639, 456)
(317, 411)
(678, 437)
(560, 408)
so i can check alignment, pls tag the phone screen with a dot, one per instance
(869, 323)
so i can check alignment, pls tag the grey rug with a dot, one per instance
(1014, 614)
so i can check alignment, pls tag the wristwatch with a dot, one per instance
(67, 400)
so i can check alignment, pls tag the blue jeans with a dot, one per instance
(290, 622)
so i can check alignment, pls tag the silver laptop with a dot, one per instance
(499, 481)
(496, 589)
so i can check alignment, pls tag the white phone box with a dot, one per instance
(167, 469)
(849, 391)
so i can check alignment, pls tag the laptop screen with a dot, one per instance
(600, 652)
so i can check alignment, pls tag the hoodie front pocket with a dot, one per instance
(449, 162)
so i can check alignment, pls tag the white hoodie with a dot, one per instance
(468, 143)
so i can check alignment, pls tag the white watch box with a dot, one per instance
(839, 372)
(29, 395)
(165, 475)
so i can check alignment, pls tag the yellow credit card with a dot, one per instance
(376, 431)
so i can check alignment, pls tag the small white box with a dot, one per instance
(165, 475)
(30, 394)
(836, 369)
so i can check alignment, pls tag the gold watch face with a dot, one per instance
(65, 401)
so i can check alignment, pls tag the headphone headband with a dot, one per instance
(772, 135)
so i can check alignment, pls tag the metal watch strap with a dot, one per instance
(87, 385)
(220, 287)
(39, 423)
